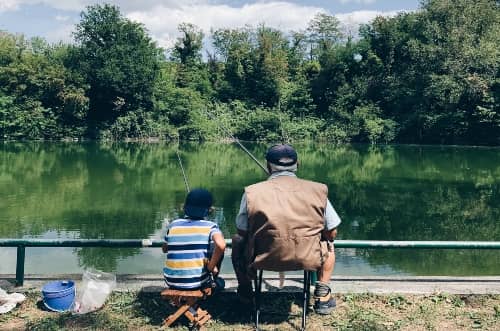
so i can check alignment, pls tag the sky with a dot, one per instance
(55, 19)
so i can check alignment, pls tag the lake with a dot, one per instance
(131, 191)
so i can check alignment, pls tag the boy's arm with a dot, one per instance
(220, 246)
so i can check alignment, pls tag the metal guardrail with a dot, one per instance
(21, 245)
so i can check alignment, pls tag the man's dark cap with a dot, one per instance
(198, 203)
(282, 155)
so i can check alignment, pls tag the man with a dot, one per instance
(285, 223)
(194, 246)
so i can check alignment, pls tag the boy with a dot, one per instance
(192, 262)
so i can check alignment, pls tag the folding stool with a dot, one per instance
(187, 303)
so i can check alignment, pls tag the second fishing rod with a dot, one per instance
(236, 140)
(227, 133)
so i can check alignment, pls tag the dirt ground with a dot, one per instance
(280, 311)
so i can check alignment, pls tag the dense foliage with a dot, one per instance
(430, 76)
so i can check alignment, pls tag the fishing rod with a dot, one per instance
(182, 169)
(227, 132)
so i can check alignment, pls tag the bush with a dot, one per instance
(27, 121)
(302, 128)
(260, 125)
(372, 126)
(335, 134)
(139, 125)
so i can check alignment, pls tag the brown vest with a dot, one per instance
(285, 221)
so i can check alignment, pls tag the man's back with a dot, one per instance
(286, 218)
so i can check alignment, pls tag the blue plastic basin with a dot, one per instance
(59, 295)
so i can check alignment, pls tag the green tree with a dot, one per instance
(188, 47)
(440, 71)
(119, 61)
(323, 32)
(42, 98)
(191, 71)
(234, 48)
(256, 64)
(270, 67)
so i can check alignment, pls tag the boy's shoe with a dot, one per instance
(324, 305)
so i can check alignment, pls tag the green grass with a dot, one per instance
(281, 311)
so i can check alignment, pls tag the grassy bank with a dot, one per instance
(145, 311)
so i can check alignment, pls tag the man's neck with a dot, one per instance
(282, 173)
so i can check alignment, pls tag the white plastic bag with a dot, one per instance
(96, 287)
(9, 301)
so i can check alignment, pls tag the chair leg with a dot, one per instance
(173, 317)
(311, 274)
(306, 294)
(258, 289)
(197, 316)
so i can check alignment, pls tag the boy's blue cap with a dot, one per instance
(198, 203)
(282, 155)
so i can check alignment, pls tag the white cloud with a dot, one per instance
(161, 17)
(352, 21)
(62, 18)
(6, 5)
(78, 5)
(358, 1)
(62, 33)
(162, 21)
(363, 16)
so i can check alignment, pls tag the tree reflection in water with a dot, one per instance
(127, 190)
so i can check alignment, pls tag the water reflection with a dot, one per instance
(128, 190)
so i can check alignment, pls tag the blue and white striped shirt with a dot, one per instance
(188, 252)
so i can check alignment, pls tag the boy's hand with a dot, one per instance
(164, 247)
(213, 269)
(220, 246)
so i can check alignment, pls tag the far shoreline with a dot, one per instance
(157, 140)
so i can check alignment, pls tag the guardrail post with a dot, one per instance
(314, 277)
(20, 265)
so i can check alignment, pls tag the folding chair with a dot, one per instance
(305, 296)
(187, 303)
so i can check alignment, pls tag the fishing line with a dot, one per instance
(227, 132)
(182, 168)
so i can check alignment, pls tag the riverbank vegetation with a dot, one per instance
(146, 311)
(430, 76)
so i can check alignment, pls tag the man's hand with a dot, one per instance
(330, 234)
